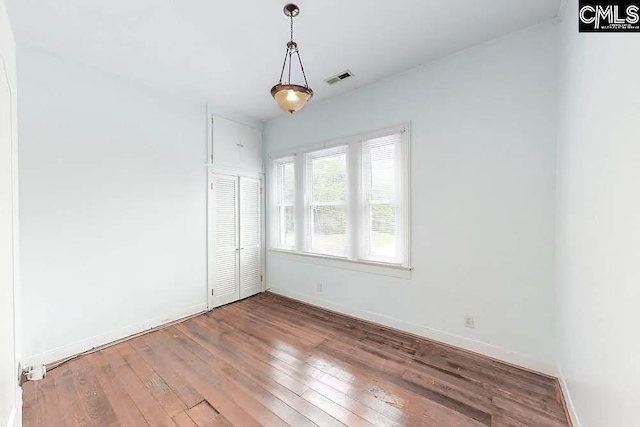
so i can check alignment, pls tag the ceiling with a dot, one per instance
(230, 53)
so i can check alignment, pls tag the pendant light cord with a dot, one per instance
(299, 59)
(289, 49)
(289, 53)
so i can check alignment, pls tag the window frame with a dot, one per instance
(278, 204)
(355, 202)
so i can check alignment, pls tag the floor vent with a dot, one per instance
(339, 77)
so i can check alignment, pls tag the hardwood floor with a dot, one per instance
(273, 361)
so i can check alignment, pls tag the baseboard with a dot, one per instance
(11, 422)
(498, 353)
(17, 420)
(566, 397)
(15, 417)
(78, 347)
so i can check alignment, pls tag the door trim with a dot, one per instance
(8, 76)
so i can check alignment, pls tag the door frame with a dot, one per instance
(211, 171)
(12, 338)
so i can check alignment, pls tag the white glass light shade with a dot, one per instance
(291, 98)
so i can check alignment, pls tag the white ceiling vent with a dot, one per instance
(339, 77)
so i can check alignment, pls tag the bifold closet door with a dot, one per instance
(224, 221)
(250, 237)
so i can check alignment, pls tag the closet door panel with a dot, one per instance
(234, 145)
(251, 150)
(226, 142)
(225, 240)
(250, 237)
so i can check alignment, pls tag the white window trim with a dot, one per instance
(353, 184)
(380, 268)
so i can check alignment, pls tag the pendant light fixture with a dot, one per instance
(291, 97)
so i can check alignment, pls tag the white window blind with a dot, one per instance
(285, 196)
(327, 202)
(383, 210)
(354, 203)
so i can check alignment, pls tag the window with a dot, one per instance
(285, 196)
(382, 214)
(327, 207)
(354, 199)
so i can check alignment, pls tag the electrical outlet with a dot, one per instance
(469, 321)
(319, 287)
(31, 373)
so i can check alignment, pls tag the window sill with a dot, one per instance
(329, 261)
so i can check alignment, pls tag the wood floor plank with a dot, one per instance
(293, 386)
(69, 398)
(40, 404)
(479, 369)
(393, 381)
(545, 404)
(367, 370)
(265, 409)
(156, 385)
(502, 420)
(307, 338)
(189, 396)
(184, 420)
(126, 409)
(343, 371)
(273, 361)
(205, 415)
(151, 409)
(345, 393)
(281, 340)
(457, 390)
(335, 410)
(96, 404)
(32, 401)
(337, 326)
(523, 413)
(303, 413)
(219, 392)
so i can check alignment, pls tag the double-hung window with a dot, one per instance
(326, 212)
(353, 202)
(383, 200)
(285, 230)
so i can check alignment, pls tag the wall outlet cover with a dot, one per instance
(469, 321)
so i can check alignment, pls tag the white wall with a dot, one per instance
(113, 206)
(598, 233)
(483, 141)
(10, 394)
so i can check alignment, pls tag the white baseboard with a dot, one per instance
(567, 400)
(485, 349)
(15, 416)
(111, 336)
(11, 422)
